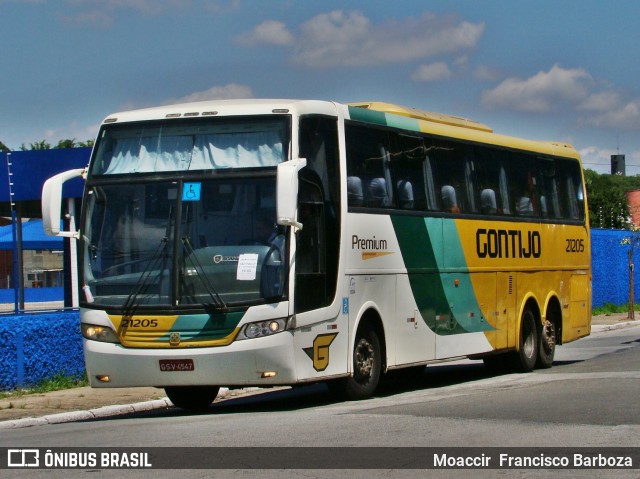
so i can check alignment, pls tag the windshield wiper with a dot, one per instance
(143, 281)
(217, 302)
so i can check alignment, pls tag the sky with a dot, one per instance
(561, 70)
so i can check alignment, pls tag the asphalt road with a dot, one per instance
(590, 398)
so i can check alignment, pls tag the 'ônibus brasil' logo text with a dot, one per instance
(508, 243)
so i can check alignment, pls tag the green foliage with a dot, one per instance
(45, 145)
(57, 382)
(607, 199)
(4, 148)
(38, 145)
(610, 308)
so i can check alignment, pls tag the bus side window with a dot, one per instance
(573, 197)
(491, 180)
(523, 178)
(408, 171)
(455, 176)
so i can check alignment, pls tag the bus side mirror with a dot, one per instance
(52, 202)
(287, 192)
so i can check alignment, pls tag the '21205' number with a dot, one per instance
(575, 246)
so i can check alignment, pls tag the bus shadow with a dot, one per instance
(317, 395)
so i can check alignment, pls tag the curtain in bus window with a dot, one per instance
(469, 182)
(142, 155)
(196, 152)
(504, 191)
(429, 185)
(237, 150)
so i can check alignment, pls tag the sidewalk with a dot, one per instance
(87, 403)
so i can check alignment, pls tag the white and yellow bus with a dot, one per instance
(278, 242)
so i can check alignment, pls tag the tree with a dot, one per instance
(39, 145)
(67, 143)
(4, 148)
(607, 199)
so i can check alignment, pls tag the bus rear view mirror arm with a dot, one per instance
(287, 195)
(52, 202)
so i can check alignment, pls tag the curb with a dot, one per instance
(598, 328)
(101, 412)
(110, 411)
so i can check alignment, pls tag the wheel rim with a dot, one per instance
(364, 359)
(528, 345)
(548, 336)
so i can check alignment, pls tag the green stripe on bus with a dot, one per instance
(205, 326)
(369, 116)
(433, 290)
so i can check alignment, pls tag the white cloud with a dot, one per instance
(625, 117)
(541, 92)
(350, 39)
(601, 101)
(432, 72)
(216, 92)
(339, 39)
(270, 32)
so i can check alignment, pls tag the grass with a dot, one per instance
(55, 383)
(613, 309)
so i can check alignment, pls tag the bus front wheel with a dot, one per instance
(192, 397)
(367, 367)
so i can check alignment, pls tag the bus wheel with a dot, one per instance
(547, 345)
(367, 364)
(525, 359)
(192, 397)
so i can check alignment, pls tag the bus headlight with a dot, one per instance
(103, 334)
(263, 328)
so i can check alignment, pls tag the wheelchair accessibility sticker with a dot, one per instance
(191, 191)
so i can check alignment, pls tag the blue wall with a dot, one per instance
(609, 259)
(34, 347)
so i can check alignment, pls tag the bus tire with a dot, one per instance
(524, 359)
(191, 397)
(367, 367)
(547, 345)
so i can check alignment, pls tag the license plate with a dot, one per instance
(177, 365)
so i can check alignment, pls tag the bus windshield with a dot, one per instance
(197, 239)
(187, 145)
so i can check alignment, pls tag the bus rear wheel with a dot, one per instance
(524, 359)
(547, 345)
(191, 397)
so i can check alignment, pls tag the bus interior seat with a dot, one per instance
(377, 193)
(405, 194)
(354, 191)
(488, 202)
(449, 202)
(524, 206)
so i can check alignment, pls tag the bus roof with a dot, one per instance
(224, 108)
(451, 126)
(423, 115)
(415, 119)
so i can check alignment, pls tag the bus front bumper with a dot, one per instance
(266, 361)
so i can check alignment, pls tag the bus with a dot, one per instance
(283, 242)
